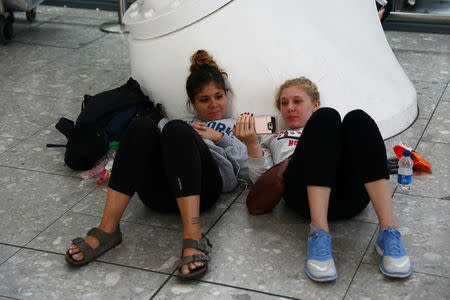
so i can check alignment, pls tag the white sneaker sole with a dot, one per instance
(320, 279)
(388, 274)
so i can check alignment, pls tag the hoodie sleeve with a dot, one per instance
(236, 152)
(257, 166)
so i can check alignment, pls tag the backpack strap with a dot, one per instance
(65, 126)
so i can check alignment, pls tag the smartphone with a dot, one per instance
(265, 124)
(381, 4)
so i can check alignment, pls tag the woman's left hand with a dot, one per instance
(207, 132)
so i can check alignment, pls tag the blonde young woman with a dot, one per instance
(336, 168)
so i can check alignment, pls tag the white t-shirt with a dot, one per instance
(276, 148)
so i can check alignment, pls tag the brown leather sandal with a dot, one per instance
(107, 241)
(202, 245)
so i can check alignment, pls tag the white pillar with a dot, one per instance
(261, 43)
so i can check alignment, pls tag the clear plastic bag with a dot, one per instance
(101, 171)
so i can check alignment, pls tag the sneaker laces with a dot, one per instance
(320, 242)
(392, 241)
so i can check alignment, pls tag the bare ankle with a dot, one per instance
(108, 228)
(193, 234)
(384, 226)
(319, 226)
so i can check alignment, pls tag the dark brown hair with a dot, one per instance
(204, 70)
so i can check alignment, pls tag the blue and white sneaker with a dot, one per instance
(395, 261)
(320, 264)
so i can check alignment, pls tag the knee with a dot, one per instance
(327, 116)
(356, 117)
(175, 128)
(139, 128)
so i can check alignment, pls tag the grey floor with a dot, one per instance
(44, 73)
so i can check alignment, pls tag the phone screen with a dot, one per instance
(265, 124)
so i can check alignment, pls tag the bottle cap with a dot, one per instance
(114, 145)
(406, 153)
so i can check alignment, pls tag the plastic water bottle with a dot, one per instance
(405, 171)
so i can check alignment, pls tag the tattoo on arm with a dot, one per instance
(196, 220)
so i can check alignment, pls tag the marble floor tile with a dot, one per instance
(425, 234)
(426, 42)
(60, 35)
(144, 247)
(21, 23)
(6, 143)
(18, 59)
(108, 51)
(24, 114)
(437, 183)
(425, 66)
(428, 95)
(193, 290)
(410, 137)
(77, 12)
(32, 154)
(138, 212)
(446, 96)
(31, 201)
(38, 275)
(370, 283)
(243, 196)
(68, 81)
(249, 250)
(368, 215)
(439, 128)
(6, 251)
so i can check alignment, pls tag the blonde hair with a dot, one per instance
(302, 82)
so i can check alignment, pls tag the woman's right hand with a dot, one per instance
(245, 131)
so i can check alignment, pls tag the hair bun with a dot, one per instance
(202, 58)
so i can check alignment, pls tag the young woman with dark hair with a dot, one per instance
(178, 164)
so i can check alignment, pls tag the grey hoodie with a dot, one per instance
(229, 153)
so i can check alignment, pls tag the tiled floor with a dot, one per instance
(44, 73)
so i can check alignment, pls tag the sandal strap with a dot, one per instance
(103, 236)
(106, 241)
(84, 247)
(203, 245)
(191, 258)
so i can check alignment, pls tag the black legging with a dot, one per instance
(161, 167)
(343, 156)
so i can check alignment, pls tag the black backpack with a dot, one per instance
(103, 119)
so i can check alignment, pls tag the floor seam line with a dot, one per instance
(225, 210)
(361, 261)
(38, 171)
(431, 117)
(60, 216)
